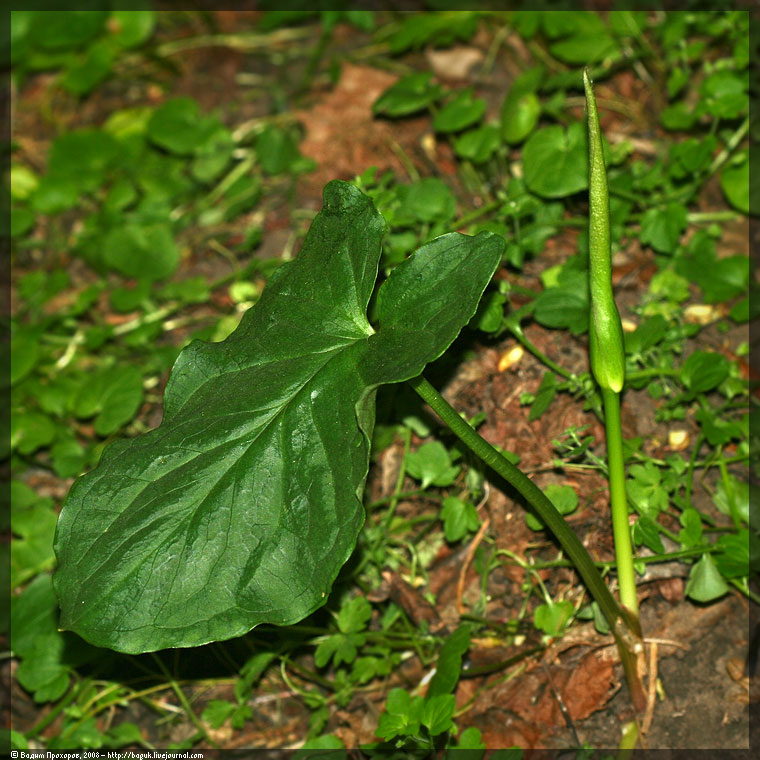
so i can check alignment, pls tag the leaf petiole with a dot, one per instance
(625, 627)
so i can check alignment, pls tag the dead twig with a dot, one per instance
(468, 558)
(652, 689)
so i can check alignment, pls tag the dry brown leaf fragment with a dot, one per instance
(454, 63)
(589, 686)
(342, 134)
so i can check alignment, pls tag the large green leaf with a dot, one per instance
(243, 505)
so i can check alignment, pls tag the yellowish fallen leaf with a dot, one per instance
(702, 313)
(678, 439)
(510, 358)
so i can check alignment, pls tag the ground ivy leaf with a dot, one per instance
(134, 27)
(179, 127)
(24, 352)
(555, 161)
(217, 711)
(437, 713)
(32, 551)
(114, 394)
(47, 655)
(519, 115)
(735, 182)
(478, 145)
(410, 94)
(704, 370)
(141, 251)
(564, 306)
(449, 665)
(733, 561)
(463, 110)
(552, 616)
(662, 227)
(243, 505)
(705, 582)
(432, 465)
(458, 517)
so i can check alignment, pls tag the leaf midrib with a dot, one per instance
(333, 353)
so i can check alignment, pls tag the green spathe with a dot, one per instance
(244, 504)
(605, 328)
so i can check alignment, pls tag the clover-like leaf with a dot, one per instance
(243, 505)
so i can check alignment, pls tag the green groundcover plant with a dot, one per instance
(241, 508)
(244, 504)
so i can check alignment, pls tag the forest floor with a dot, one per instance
(573, 692)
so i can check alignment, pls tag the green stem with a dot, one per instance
(530, 492)
(395, 498)
(47, 719)
(316, 56)
(618, 501)
(729, 489)
(654, 559)
(463, 221)
(731, 145)
(244, 42)
(606, 348)
(743, 586)
(690, 470)
(701, 217)
(624, 626)
(628, 741)
(177, 689)
(641, 374)
(518, 333)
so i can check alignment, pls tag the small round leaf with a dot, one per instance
(555, 161)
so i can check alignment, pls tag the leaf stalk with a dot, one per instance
(625, 628)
